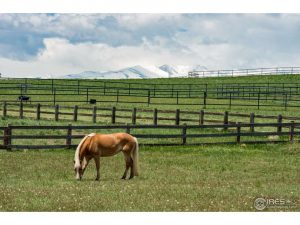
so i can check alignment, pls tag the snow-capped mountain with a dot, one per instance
(180, 70)
(138, 72)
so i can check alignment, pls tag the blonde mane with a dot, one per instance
(76, 157)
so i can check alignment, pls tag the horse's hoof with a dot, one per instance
(123, 178)
(97, 179)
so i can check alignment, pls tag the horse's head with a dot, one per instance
(78, 170)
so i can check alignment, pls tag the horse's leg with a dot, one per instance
(127, 163)
(131, 168)
(97, 161)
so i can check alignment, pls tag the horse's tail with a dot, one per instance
(76, 157)
(135, 155)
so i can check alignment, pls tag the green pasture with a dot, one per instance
(199, 178)
(182, 178)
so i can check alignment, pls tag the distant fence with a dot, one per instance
(80, 85)
(266, 94)
(186, 134)
(245, 72)
(257, 98)
(116, 115)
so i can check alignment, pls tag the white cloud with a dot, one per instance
(62, 57)
(71, 43)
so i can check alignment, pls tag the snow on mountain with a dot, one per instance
(181, 70)
(85, 74)
(138, 72)
(169, 69)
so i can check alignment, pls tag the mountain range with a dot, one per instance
(138, 72)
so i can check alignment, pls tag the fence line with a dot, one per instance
(226, 98)
(184, 137)
(246, 72)
(133, 115)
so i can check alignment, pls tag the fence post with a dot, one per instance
(38, 111)
(204, 99)
(4, 109)
(177, 117)
(201, 117)
(52, 85)
(133, 116)
(225, 120)
(155, 116)
(177, 98)
(230, 100)
(184, 134)
(238, 132)
(292, 127)
(69, 136)
(279, 121)
(21, 110)
(56, 112)
(75, 113)
(149, 98)
(252, 116)
(94, 114)
(54, 96)
(9, 140)
(7, 137)
(113, 115)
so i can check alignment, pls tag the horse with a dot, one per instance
(94, 146)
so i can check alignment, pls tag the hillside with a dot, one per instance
(137, 72)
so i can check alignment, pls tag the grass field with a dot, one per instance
(215, 178)
(186, 178)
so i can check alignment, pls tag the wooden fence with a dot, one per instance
(182, 137)
(116, 115)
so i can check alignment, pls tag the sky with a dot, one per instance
(57, 44)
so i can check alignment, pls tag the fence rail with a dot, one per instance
(245, 72)
(183, 137)
(286, 97)
(116, 115)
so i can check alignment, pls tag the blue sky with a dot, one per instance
(56, 44)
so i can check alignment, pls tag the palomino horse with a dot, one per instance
(101, 145)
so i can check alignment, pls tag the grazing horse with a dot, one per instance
(101, 145)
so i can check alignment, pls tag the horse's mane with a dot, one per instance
(76, 157)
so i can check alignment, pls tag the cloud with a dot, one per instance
(61, 56)
(44, 44)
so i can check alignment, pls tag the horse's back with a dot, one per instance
(115, 137)
(110, 144)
